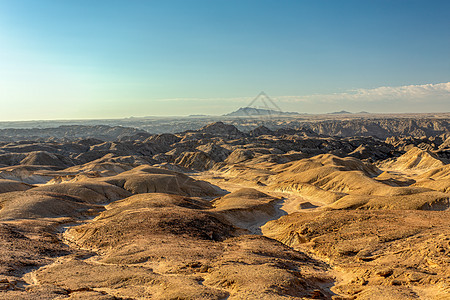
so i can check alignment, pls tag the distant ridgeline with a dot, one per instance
(102, 132)
(251, 111)
(141, 129)
(344, 112)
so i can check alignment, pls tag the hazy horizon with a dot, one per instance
(108, 60)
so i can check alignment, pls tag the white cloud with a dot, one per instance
(413, 93)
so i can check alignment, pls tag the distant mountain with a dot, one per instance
(251, 111)
(342, 112)
(198, 116)
(363, 112)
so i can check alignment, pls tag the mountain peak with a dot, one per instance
(252, 111)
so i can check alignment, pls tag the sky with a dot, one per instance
(113, 59)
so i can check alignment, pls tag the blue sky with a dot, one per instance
(110, 59)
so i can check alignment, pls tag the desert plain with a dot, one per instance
(342, 207)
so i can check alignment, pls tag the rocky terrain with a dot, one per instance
(362, 123)
(69, 132)
(328, 209)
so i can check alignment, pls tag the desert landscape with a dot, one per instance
(329, 207)
(224, 150)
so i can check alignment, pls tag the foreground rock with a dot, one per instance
(381, 254)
